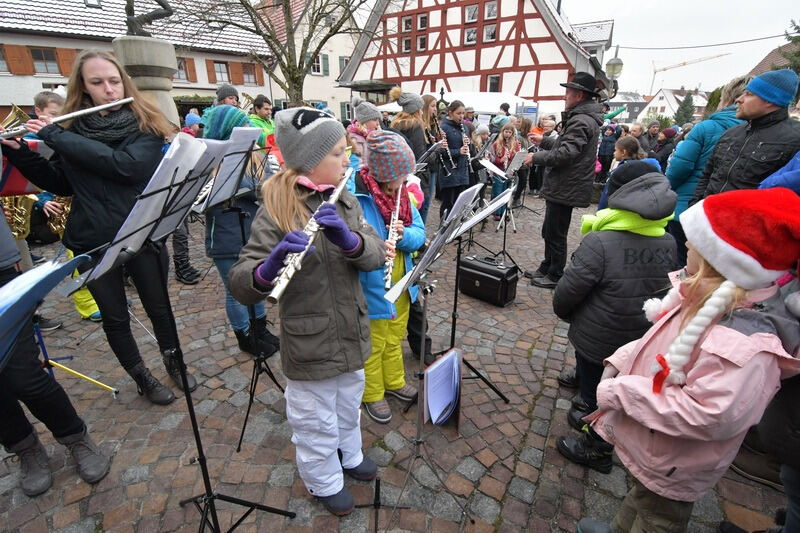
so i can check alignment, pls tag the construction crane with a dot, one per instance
(681, 64)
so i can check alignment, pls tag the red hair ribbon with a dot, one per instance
(658, 379)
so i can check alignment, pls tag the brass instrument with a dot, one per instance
(294, 261)
(247, 102)
(19, 129)
(58, 223)
(15, 118)
(19, 209)
(392, 238)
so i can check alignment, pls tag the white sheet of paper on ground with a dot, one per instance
(441, 388)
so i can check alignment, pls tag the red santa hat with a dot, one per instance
(751, 237)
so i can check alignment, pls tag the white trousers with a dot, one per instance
(325, 416)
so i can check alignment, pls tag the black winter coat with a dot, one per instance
(455, 140)
(647, 141)
(570, 158)
(662, 153)
(103, 180)
(748, 153)
(612, 273)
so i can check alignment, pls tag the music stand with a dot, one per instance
(164, 204)
(461, 208)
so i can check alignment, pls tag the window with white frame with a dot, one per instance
(180, 75)
(422, 21)
(406, 24)
(249, 73)
(406, 44)
(494, 83)
(221, 71)
(490, 10)
(470, 35)
(92, 3)
(471, 13)
(316, 65)
(422, 43)
(489, 33)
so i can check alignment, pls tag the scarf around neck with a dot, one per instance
(109, 129)
(386, 204)
(622, 220)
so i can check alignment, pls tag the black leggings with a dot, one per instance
(24, 380)
(109, 293)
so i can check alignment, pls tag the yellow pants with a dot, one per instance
(384, 369)
(82, 298)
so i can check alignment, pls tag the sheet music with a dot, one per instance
(494, 205)
(516, 162)
(442, 387)
(181, 157)
(494, 169)
(226, 180)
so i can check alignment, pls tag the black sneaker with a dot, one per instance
(187, 275)
(575, 418)
(587, 450)
(46, 324)
(339, 504)
(38, 259)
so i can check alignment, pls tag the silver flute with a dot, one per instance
(21, 130)
(392, 238)
(294, 261)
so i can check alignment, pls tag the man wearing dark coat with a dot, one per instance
(569, 162)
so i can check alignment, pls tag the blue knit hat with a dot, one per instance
(500, 120)
(776, 86)
(191, 119)
(220, 120)
(390, 158)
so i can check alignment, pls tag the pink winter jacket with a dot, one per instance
(680, 442)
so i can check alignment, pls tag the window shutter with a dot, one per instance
(237, 76)
(325, 68)
(341, 65)
(19, 59)
(191, 73)
(65, 58)
(212, 76)
(259, 74)
(308, 62)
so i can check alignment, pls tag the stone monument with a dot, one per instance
(149, 61)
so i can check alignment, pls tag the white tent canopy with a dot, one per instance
(483, 103)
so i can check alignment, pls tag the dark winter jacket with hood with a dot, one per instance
(613, 272)
(691, 155)
(570, 158)
(748, 153)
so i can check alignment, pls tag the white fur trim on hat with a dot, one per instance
(741, 268)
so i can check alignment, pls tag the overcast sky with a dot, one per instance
(684, 23)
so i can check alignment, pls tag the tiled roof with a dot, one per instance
(73, 18)
(600, 30)
(774, 58)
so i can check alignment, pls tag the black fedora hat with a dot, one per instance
(583, 81)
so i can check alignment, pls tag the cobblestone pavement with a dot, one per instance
(503, 467)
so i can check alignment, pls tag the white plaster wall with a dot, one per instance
(510, 82)
(548, 53)
(535, 28)
(549, 82)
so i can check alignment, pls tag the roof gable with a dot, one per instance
(600, 31)
(774, 58)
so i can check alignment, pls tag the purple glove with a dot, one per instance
(292, 242)
(335, 228)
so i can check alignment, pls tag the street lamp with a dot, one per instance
(614, 66)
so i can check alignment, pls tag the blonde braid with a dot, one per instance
(682, 347)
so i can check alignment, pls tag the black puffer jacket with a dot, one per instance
(103, 180)
(748, 153)
(570, 158)
(612, 273)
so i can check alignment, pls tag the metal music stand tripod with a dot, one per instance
(160, 209)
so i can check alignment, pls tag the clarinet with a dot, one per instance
(432, 139)
(392, 238)
(465, 138)
(293, 261)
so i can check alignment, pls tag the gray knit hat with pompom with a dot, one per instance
(364, 110)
